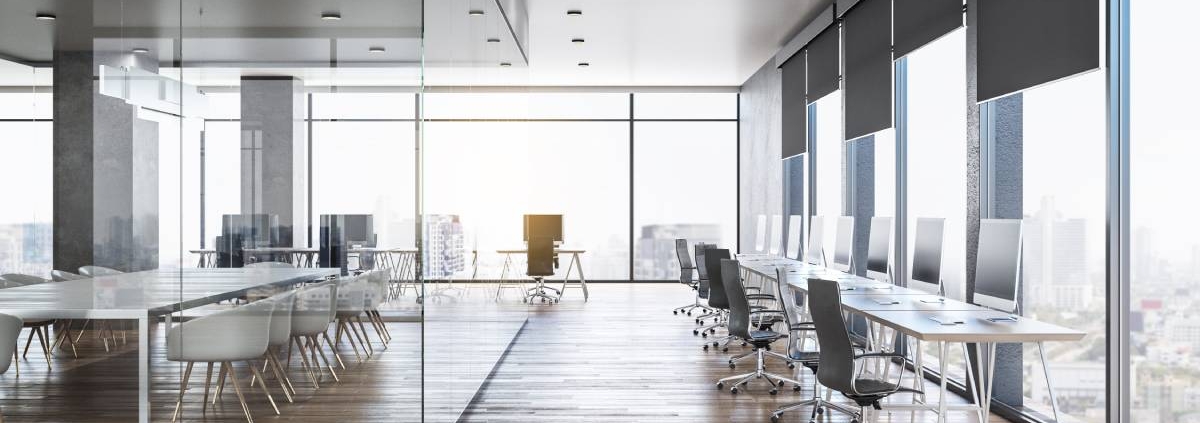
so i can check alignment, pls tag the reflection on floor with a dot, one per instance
(623, 357)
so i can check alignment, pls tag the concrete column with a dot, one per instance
(105, 158)
(273, 152)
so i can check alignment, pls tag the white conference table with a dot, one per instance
(143, 296)
(909, 312)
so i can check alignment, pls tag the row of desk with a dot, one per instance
(909, 312)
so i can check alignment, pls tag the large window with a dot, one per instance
(1165, 245)
(26, 156)
(830, 155)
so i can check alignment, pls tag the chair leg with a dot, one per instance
(284, 382)
(44, 340)
(366, 338)
(342, 324)
(28, 341)
(333, 347)
(304, 363)
(187, 374)
(262, 383)
(220, 382)
(237, 389)
(316, 346)
(207, 383)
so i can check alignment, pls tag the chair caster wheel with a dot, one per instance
(791, 365)
(720, 385)
(733, 390)
(773, 391)
(820, 410)
(732, 366)
(726, 349)
(675, 313)
(701, 322)
(796, 388)
(695, 332)
(775, 418)
(689, 313)
(715, 345)
(743, 344)
(704, 335)
(706, 347)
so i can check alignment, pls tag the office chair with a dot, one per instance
(739, 325)
(702, 287)
(540, 265)
(717, 300)
(838, 367)
(96, 271)
(10, 330)
(686, 270)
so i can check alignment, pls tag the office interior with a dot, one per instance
(597, 211)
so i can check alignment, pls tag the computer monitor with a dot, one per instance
(760, 234)
(359, 229)
(543, 226)
(815, 253)
(999, 264)
(776, 234)
(795, 223)
(927, 255)
(878, 249)
(843, 249)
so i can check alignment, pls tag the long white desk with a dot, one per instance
(143, 296)
(907, 311)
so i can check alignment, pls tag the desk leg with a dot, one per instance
(579, 270)
(975, 372)
(144, 369)
(1049, 383)
(943, 355)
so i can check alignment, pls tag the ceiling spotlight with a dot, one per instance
(140, 50)
(475, 12)
(376, 49)
(584, 64)
(44, 16)
(331, 16)
(505, 64)
(577, 40)
(493, 40)
(574, 12)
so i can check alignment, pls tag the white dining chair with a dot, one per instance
(311, 316)
(10, 330)
(94, 271)
(37, 327)
(351, 303)
(63, 276)
(378, 281)
(279, 334)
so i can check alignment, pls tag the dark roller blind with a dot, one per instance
(917, 22)
(795, 108)
(823, 66)
(868, 84)
(1026, 43)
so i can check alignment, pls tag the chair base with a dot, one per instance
(759, 372)
(539, 291)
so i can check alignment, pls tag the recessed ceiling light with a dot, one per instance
(475, 12)
(493, 40)
(574, 12)
(505, 64)
(584, 64)
(141, 50)
(44, 16)
(331, 16)
(577, 40)
(376, 49)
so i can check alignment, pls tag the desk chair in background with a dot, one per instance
(687, 269)
(541, 264)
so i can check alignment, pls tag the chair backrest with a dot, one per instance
(10, 330)
(94, 271)
(312, 309)
(702, 286)
(352, 294)
(815, 252)
(795, 224)
(776, 233)
(878, 249)
(686, 267)
(716, 282)
(739, 305)
(760, 234)
(22, 279)
(843, 249)
(281, 318)
(270, 265)
(789, 303)
(62, 276)
(236, 334)
(835, 369)
(377, 280)
(540, 257)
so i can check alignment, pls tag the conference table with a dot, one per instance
(911, 312)
(144, 296)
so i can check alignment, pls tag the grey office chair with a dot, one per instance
(740, 325)
(539, 265)
(10, 330)
(686, 271)
(94, 271)
(837, 368)
(703, 290)
(708, 261)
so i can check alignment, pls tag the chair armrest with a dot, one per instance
(879, 355)
(760, 297)
(752, 288)
(753, 312)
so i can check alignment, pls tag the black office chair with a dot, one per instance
(539, 265)
(687, 270)
(717, 300)
(836, 368)
(798, 328)
(741, 318)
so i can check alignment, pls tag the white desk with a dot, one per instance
(143, 296)
(400, 263)
(207, 257)
(911, 316)
(574, 264)
(297, 256)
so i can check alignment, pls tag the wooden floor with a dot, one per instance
(623, 357)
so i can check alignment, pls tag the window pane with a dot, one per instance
(366, 168)
(681, 170)
(829, 157)
(222, 175)
(525, 106)
(937, 151)
(491, 173)
(363, 106)
(26, 155)
(685, 105)
(26, 105)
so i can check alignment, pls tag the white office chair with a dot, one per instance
(38, 327)
(378, 280)
(311, 315)
(63, 276)
(94, 271)
(238, 334)
(10, 330)
(23, 280)
(279, 335)
(351, 303)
